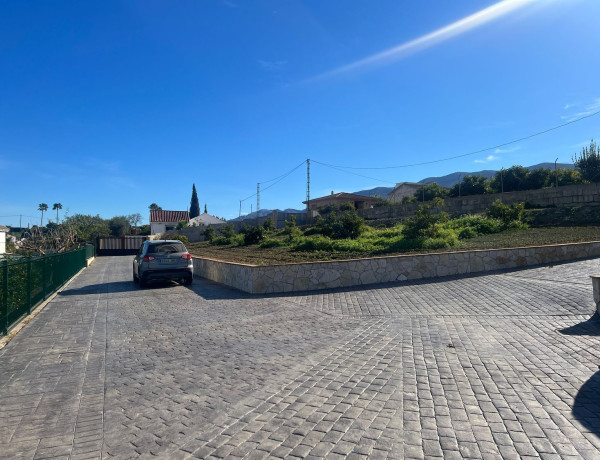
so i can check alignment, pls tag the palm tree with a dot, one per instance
(56, 207)
(42, 207)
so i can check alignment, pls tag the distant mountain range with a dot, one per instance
(266, 212)
(451, 179)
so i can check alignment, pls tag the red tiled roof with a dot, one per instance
(169, 216)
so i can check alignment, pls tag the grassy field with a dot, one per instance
(509, 239)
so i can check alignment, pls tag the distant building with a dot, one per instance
(358, 201)
(402, 190)
(3, 231)
(164, 221)
(205, 219)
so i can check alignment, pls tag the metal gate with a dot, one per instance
(119, 245)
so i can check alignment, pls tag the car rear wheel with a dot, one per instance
(188, 281)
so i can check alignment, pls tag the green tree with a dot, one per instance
(430, 191)
(588, 162)
(119, 225)
(194, 204)
(56, 207)
(538, 178)
(42, 207)
(154, 207)
(205, 211)
(568, 176)
(470, 185)
(134, 219)
(88, 227)
(425, 223)
(509, 180)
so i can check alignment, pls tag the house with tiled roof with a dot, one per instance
(163, 221)
(357, 201)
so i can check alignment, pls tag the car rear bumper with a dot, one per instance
(174, 274)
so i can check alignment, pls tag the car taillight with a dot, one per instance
(186, 256)
(148, 258)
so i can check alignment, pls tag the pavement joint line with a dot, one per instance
(27, 319)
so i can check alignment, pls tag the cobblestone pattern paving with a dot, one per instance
(497, 366)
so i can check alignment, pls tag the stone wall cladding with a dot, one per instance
(359, 272)
(569, 195)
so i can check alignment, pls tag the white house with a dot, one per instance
(3, 232)
(403, 190)
(163, 221)
(204, 219)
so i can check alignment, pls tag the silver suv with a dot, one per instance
(163, 260)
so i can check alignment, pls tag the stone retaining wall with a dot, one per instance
(568, 195)
(359, 272)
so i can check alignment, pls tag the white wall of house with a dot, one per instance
(161, 227)
(2, 242)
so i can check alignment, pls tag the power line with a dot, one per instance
(277, 179)
(339, 168)
(466, 154)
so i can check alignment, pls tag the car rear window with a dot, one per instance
(166, 248)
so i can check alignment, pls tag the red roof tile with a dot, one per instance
(169, 216)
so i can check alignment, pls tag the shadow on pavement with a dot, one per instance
(588, 327)
(586, 407)
(115, 286)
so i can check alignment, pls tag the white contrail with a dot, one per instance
(456, 28)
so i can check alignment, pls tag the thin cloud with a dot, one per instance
(588, 110)
(486, 159)
(433, 38)
(508, 150)
(272, 66)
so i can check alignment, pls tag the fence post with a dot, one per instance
(5, 297)
(29, 286)
(44, 275)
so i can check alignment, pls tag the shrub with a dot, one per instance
(381, 202)
(175, 236)
(506, 213)
(467, 233)
(349, 225)
(315, 243)
(271, 243)
(268, 225)
(253, 234)
(209, 233)
(220, 241)
(312, 231)
(424, 224)
(291, 229)
(347, 207)
(327, 209)
(227, 231)
(181, 224)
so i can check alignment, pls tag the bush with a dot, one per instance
(271, 243)
(467, 233)
(315, 243)
(209, 233)
(349, 225)
(347, 207)
(327, 209)
(253, 234)
(268, 225)
(181, 224)
(291, 229)
(220, 241)
(381, 202)
(175, 236)
(424, 224)
(506, 213)
(227, 231)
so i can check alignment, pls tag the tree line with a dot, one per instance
(518, 178)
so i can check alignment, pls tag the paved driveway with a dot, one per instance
(496, 366)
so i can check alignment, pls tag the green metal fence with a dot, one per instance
(26, 282)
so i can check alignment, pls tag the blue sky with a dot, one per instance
(107, 107)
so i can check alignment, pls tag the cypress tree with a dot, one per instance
(194, 204)
(205, 211)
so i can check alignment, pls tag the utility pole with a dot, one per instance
(307, 188)
(250, 208)
(502, 180)
(240, 209)
(20, 219)
(556, 172)
(257, 197)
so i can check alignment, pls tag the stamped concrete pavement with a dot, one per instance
(503, 365)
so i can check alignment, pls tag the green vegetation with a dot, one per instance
(346, 235)
(194, 203)
(588, 162)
